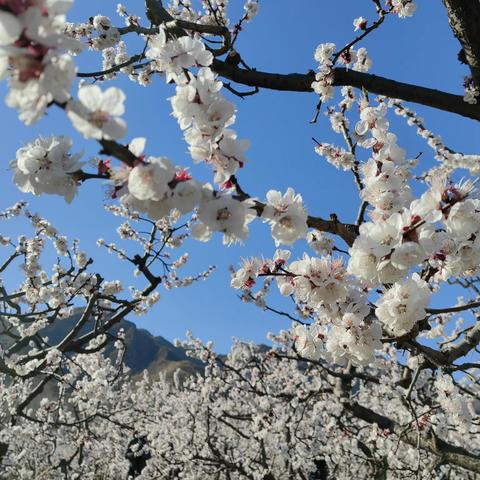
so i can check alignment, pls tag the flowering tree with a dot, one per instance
(369, 371)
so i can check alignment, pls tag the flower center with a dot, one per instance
(223, 214)
(98, 118)
(286, 222)
(28, 67)
(401, 309)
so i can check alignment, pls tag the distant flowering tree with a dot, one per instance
(370, 381)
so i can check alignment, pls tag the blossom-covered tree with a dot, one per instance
(371, 381)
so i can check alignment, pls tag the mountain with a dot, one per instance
(155, 354)
(144, 350)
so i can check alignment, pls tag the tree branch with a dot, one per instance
(298, 82)
(450, 453)
(469, 342)
(458, 308)
(464, 17)
(460, 15)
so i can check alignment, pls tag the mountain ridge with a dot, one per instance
(144, 351)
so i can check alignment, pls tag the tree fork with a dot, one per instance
(302, 82)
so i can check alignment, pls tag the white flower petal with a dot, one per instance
(10, 28)
(112, 101)
(91, 96)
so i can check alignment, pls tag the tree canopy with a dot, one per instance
(375, 375)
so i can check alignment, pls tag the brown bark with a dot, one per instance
(298, 82)
(464, 19)
(464, 16)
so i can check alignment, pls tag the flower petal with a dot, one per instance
(112, 101)
(10, 28)
(91, 96)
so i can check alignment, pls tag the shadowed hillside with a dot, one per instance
(144, 351)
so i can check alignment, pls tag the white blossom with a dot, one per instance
(403, 305)
(46, 166)
(286, 216)
(97, 114)
(223, 214)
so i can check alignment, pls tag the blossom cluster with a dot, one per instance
(156, 187)
(404, 8)
(326, 56)
(403, 233)
(205, 115)
(96, 114)
(449, 159)
(455, 405)
(343, 327)
(337, 156)
(33, 55)
(216, 422)
(46, 166)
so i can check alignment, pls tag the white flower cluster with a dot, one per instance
(357, 60)
(224, 214)
(360, 23)
(114, 56)
(325, 55)
(96, 115)
(200, 108)
(337, 156)
(156, 187)
(100, 35)
(148, 181)
(386, 250)
(251, 9)
(403, 305)
(316, 281)
(472, 92)
(32, 55)
(205, 115)
(107, 35)
(100, 32)
(323, 84)
(386, 173)
(343, 329)
(173, 57)
(456, 406)
(46, 166)
(450, 160)
(320, 243)
(286, 216)
(404, 8)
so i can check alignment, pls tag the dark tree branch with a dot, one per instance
(469, 342)
(297, 82)
(448, 452)
(114, 69)
(347, 232)
(121, 152)
(464, 18)
(241, 95)
(158, 15)
(458, 308)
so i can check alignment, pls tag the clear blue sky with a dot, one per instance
(282, 38)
